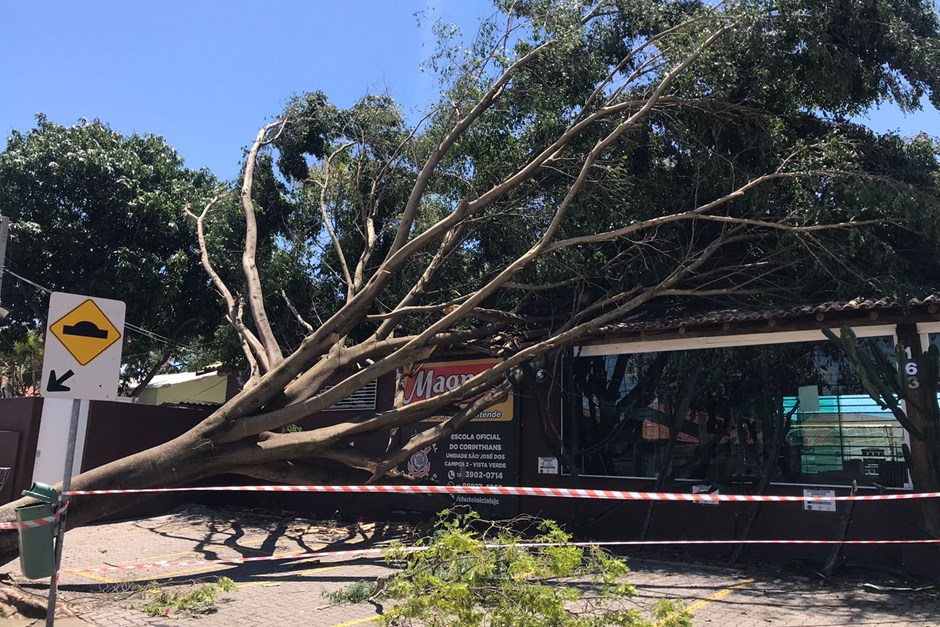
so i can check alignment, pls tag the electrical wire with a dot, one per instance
(127, 325)
(41, 288)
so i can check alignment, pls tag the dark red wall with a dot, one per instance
(19, 418)
(116, 430)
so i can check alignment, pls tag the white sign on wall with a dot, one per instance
(548, 465)
(82, 355)
(704, 488)
(820, 506)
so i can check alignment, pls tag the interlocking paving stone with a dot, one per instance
(292, 592)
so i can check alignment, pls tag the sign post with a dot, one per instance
(60, 524)
(81, 361)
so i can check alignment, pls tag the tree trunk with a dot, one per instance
(177, 462)
(925, 453)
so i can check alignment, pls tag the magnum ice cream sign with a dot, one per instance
(436, 378)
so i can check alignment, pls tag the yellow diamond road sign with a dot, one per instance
(85, 332)
(82, 356)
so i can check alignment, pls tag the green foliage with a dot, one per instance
(777, 89)
(782, 81)
(469, 573)
(199, 599)
(357, 592)
(97, 212)
(311, 119)
(21, 366)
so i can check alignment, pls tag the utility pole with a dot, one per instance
(4, 232)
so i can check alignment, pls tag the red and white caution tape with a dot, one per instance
(481, 490)
(380, 552)
(37, 522)
(704, 542)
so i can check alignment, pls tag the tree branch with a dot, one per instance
(424, 176)
(300, 319)
(440, 431)
(251, 346)
(249, 267)
(350, 287)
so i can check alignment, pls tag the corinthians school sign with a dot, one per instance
(483, 452)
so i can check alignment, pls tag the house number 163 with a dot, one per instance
(910, 369)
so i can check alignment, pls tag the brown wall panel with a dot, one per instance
(116, 430)
(20, 415)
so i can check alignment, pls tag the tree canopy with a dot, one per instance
(97, 212)
(771, 99)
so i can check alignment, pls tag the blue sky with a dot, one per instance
(206, 74)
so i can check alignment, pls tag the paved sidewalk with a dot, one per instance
(292, 592)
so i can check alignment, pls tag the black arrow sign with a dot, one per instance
(55, 383)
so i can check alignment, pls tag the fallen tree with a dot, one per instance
(586, 164)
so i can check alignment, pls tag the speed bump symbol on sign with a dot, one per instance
(85, 332)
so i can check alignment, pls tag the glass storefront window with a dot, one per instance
(796, 410)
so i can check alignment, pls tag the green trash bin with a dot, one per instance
(37, 546)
